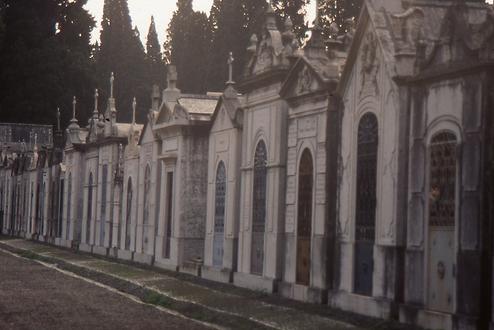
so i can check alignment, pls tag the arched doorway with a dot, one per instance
(365, 203)
(304, 217)
(259, 209)
(219, 215)
(441, 221)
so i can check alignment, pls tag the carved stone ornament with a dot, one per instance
(369, 66)
(304, 82)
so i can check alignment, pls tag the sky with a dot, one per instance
(141, 11)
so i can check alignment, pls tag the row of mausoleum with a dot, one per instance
(355, 171)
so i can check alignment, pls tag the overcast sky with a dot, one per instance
(162, 10)
(141, 11)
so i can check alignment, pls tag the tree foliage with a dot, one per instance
(187, 46)
(343, 12)
(45, 59)
(296, 10)
(121, 52)
(154, 58)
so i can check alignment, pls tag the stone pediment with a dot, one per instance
(466, 34)
(304, 79)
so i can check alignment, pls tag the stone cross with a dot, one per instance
(74, 102)
(112, 80)
(230, 68)
(58, 119)
(134, 104)
(36, 139)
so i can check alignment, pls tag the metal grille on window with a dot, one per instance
(259, 209)
(442, 180)
(366, 178)
(219, 215)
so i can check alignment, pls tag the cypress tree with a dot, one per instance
(228, 21)
(154, 59)
(121, 52)
(343, 12)
(187, 45)
(295, 9)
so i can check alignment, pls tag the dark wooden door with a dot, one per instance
(304, 222)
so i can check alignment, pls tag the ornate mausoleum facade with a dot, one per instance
(355, 172)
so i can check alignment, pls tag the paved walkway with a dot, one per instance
(218, 304)
(35, 296)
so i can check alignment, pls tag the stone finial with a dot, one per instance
(35, 139)
(270, 17)
(112, 80)
(74, 103)
(58, 119)
(334, 30)
(230, 69)
(252, 48)
(96, 95)
(134, 105)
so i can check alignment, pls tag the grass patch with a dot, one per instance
(155, 298)
(34, 256)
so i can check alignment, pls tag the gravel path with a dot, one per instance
(33, 296)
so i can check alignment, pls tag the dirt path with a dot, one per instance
(33, 296)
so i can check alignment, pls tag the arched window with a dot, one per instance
(69, 207)
(89, 207)
(259, 209)
(219, 215)
(442, 208)
(366, 203)
(145, 211)
(304, 219)
(128, 214)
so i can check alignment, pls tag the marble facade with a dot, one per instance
(354, 172)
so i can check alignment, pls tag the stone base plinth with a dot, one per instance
(255, 282)
(224, 275)
(369, 306)
(101, 250)
(85, 248)
(302, 293)
(125, 255)
(143, 258)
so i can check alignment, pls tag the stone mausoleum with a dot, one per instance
(355, 172)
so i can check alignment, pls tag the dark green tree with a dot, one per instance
(343, 12)
(296, 10)
(228, 24)
(154, 58)
(44, 60)
(121, 52)
(187, 46)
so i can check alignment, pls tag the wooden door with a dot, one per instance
(304, 220)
